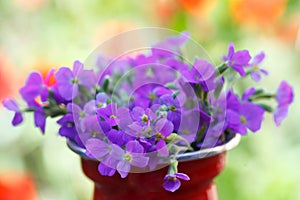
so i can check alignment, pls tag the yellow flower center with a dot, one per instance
(149, 72)
(172, 178)
(145, 118)
(255, 68)
(127, 157)
(94, 133)
(100, 105)
(152, 96)
(243, 120)
(173, 108)
(113, 116)
(159, 136)
(82, 114)
(75, 81)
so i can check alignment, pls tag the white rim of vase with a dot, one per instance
(187, 156)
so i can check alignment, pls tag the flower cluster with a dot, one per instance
(140, 111)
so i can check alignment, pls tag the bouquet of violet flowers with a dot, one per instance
(141, 111)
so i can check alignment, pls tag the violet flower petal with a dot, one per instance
(18, 118)
(96, 148)
(32, 87)
(139, 160)
(134, 146)
(106, 170)
(285, 94)
(123, 168)
(172, 185)
(280, 114)
(40, 119)
(253, 115)
(256, 76)
(182, 176)
(11, 105)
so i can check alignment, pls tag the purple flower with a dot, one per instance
(132, 156)
(125, 120)
(177, 64)
(80, 114)
(58, 98)
(100, 150)
(139, 130)
(256, 71)
(237, 60)
(233, 102)
(172, 182)
(152, 133)
(142, 59)
(34, 87)
(118, 137)
(109, 114)
(249, 116)
(67, 128)
(106, 169)
(68, 81)
(90, 108)
(284, 98)
(101, 100)
(284, 94)
(39, 117)
(96, 148)
(142, 116)
(86, 122)
(202, 72)
(243, 115)
(12, 105)
(93, 128)
(153, 73)
(146, 95)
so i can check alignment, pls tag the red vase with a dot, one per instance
(201, 166)
(148, 186)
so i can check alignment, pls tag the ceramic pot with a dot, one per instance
(201, 166)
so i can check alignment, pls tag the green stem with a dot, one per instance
(55, 111)
(262, 96)
(173, 166)
(222, 68)
(28, 110)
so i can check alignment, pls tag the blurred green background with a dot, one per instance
(40, 34)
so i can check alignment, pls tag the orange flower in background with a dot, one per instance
(9, 77)
(14, 186)
(165, 10)
(199, 8)
(257, 12)
(109, 29)
(30, 4)
(289, 29)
